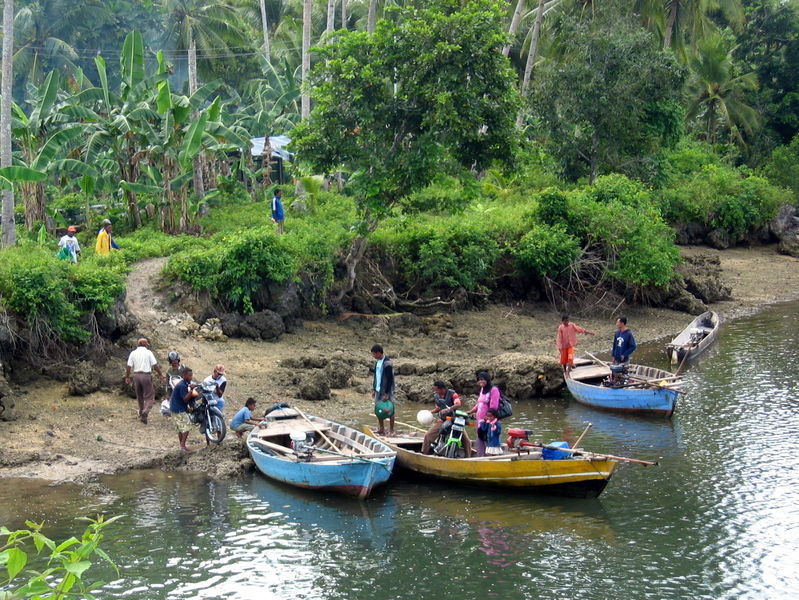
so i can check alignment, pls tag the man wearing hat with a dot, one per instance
(220, 381)
(142, 362)
(70, 242)
(104, 240)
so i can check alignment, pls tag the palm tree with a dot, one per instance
(213, 27)
(9, 233)
(513, 29)
(307, 12)
(690, 20)
(717, 92)
(265, 27)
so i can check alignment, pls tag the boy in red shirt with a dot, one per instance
(566, 340)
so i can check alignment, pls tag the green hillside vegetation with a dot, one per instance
(476, 157)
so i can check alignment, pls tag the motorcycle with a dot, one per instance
(203, 412)
(450, 439)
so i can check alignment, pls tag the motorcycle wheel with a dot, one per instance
(215, 429)
(452, 451)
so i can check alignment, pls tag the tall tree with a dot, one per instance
(513, 28)
(307, 13)
(692, 20)
(437, 95)
(265, 29)
(612, 100)
(9, 237)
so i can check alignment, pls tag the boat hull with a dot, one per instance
(355, 466)
(580, 478)
(681, 349)
(652, 401)
(356, 478)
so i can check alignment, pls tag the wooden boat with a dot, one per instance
(696, 338)
(314, 453)
(577, 476)
(642, 390)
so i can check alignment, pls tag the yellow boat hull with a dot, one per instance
(581, 477)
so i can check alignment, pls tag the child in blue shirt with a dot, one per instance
(243, 420)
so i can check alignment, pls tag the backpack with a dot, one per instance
(504, 410)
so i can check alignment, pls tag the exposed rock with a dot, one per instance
(7, 401)
(230, 323)
(785, 227)
(315, 387)
(117, 322)
(211, 331)
(404, 324)
(265, 325)
(338, 374)
(85, 379)
(702, 276)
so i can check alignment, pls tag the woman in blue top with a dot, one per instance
(277, 210)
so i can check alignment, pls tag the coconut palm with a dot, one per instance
(41, 30)
(9, 233)
(717, 92)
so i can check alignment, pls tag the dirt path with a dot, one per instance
(61, 437)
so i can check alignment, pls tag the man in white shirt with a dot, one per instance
(70, 242)
(142, 362)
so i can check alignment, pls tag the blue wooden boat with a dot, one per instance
(639, 389)
(314, 453)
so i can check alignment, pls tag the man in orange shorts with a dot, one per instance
(566, 340)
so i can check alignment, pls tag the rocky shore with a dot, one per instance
(78, 422)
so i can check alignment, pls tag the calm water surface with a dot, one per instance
(718, 519)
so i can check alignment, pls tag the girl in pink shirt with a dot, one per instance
(489, 398)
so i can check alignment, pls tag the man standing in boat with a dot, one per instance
(383, 389)
(566, 340)
(623, 343)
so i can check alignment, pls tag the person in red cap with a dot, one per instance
(220, 381)
(70, 242)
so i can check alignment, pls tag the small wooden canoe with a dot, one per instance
(578, 476)
(694, 339)
(643, 390)
(314, 453)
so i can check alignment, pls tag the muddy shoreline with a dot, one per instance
(63, 438)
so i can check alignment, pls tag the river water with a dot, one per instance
(717, 519)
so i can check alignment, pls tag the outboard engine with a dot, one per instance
(302, 444)
(519, 438)
(696, 335)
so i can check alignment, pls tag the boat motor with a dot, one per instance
(302, 444)
(520, 438)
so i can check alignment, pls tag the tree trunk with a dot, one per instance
(131, 175)
(265, 27)
(197, 163)
(306, 57)
(514, 26)
(371, 18)
(669, 31)
(594, 157)
(528, 67)
(9, 237)
(331, 17)
(344, 14)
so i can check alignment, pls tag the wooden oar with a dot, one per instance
(646, 463)
(580, 439)
(352, 457)
(409, 426)
(319, 431)
(601, 362)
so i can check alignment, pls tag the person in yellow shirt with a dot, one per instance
(104, 240)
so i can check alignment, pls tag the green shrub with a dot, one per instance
(442, 253)
(546, 251)
(782, 169)
(720, 197)
(43, 289)
(446, 195)
(250, 258)
(636, 244)
(621, 188)
(553, 206)
(199, 267)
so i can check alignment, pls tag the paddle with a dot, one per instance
(601, 362)
(580, 439)
(646, 463)
(410, 426)
(319, 431)
(352, 457)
